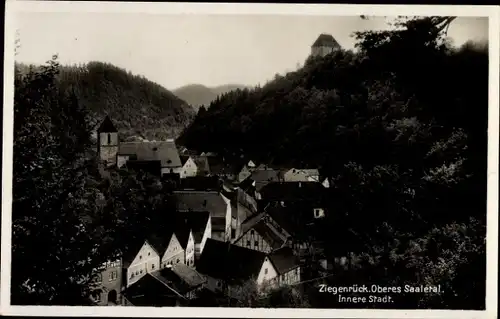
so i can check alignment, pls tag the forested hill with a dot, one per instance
(197, 95)
(138, 107)
(400, 127)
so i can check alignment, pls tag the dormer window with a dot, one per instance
(319, 213)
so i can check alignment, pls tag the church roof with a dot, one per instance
(326, 40)
(166, 152)
(107, 126)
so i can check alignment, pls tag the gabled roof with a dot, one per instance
(300, 175)
(326, 40)
(182, 233)
(261, 224)
(130, 252)
(230, 262)
(283, 260)
(152, 291)
(262, 177)
(180, 278)
(197, 222)
(164, 151)
(293, 218)
(107, 126)
(184, 159)
(202, 164)
(199, 201)
(159, 241)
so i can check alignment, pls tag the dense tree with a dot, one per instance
(68, 215)
(400, 126)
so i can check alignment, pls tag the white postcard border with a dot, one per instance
(493, 12)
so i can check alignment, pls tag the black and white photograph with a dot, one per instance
(213, 158)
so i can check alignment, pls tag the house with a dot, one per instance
(228, 268)
(324, 45)
(194, 166)
(299, 222)
(259, 178)
(280, 268)
(180, 248)
(171, 286)
(301, 175)
(243, 174)
(164, 154)
(226, 265)
(200, 225)
(107, 283)
(219, 167)
(213, 202)
(262, 233)
(138, 260)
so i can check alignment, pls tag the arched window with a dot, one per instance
(112, 296)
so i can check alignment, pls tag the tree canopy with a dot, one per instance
(138, 106)
(400, 128)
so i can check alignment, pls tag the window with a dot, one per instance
(265, 271)
(113, 275)
(178, 261)
(149, 254)
(140, 271)
(98, 278)
(137, 273)
(140, 257)
(131, 275)
(248, 243)
(152, 266)
(219, 284)
(98, 297)
(256, 243)
(109, 138)
(252, 232)
(233, 233)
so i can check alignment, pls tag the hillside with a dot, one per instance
(198, 95)
(400, 128)
(136, 105)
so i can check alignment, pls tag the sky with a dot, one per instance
(182, 49)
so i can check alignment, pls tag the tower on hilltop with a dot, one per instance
(324, 45)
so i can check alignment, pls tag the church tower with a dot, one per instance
(107, 140)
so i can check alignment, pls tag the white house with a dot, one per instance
(201, 228)
(146, 260)
(280, 268)
(180, 249)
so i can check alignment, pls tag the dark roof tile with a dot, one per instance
(164, 151)
(326, 40)
(226, 261)
(283, 260)
(107, 126)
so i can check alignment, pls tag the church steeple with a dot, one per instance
(107, 139)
